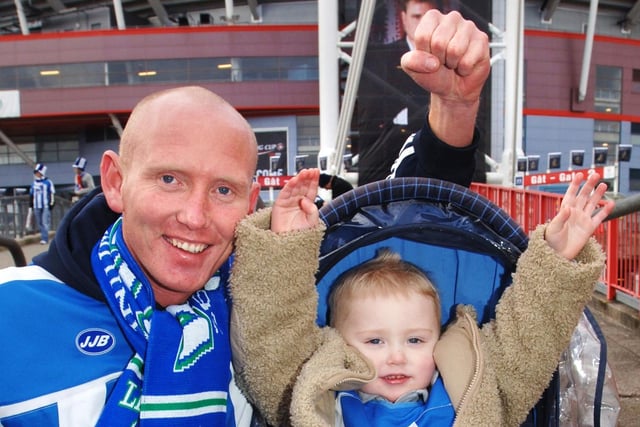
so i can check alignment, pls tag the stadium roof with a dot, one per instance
(156, 12)
(629, 10)
(169, 12)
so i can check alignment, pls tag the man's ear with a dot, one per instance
(111, 180)
(253, 198)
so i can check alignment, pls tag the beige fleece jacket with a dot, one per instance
(494, 375)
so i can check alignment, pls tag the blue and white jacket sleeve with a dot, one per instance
(424, 155)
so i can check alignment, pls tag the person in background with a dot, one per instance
(336, 184)
(42, 199)
(390, 105)
(83, 180)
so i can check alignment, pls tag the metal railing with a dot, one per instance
(619, 235)
(14, 211)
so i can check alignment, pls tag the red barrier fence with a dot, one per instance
(620, 237)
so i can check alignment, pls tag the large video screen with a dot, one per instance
(389, 105)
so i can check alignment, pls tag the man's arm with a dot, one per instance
(424, 155)
(451, 60)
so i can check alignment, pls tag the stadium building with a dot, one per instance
(71, 71)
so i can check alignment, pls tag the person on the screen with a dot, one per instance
(390, 105)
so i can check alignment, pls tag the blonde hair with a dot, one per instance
(386, 274)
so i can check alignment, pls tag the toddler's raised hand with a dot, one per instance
(575, 222)
(294, 209)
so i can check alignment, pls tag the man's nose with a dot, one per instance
(195, 210)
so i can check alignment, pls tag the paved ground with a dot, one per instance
(30, 248)
(620, 325)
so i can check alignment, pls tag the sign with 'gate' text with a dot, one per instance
(561, 177)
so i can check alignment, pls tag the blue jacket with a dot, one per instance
(436, 411)
(65, 345)
(42, 192)
(64, 350)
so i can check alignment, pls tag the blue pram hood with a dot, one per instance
(465, 244)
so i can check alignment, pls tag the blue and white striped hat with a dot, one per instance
(40, 167)
(80, 163)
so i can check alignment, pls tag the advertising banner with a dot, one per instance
(272, 151)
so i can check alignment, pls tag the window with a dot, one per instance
(223, 69)
(605, 131)
(259, 69)
(51, 148)
(210, 69)
(635, 84)
(634, 179)
(608, 89)
(607, 134)
(8, 77)
(308, 138)
(57, 148)
(25, 144)
(300, 68)
(10, 157)
(101, 135)
(635, 133)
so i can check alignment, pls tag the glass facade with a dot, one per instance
(308, 139)
(634, 179)
(607, 100)
(43, 148)
(56, 148)
(159, 71)
(635, 133)
(608, 89)
(607, 134)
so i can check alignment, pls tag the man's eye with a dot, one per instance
(224, 191)
(168, 179)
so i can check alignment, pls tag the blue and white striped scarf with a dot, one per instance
(180, 371)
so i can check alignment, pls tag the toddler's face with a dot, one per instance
(397, 334)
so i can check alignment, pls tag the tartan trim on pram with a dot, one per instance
(434, 190)
(462, 241)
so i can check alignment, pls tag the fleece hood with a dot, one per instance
(69, 254)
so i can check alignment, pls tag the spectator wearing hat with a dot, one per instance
(42, 199)
(334, 183)
(83, 179)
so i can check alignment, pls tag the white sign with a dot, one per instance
(9, 103)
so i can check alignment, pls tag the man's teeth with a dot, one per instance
(194, 248)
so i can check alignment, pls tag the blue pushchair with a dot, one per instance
(463, 240)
